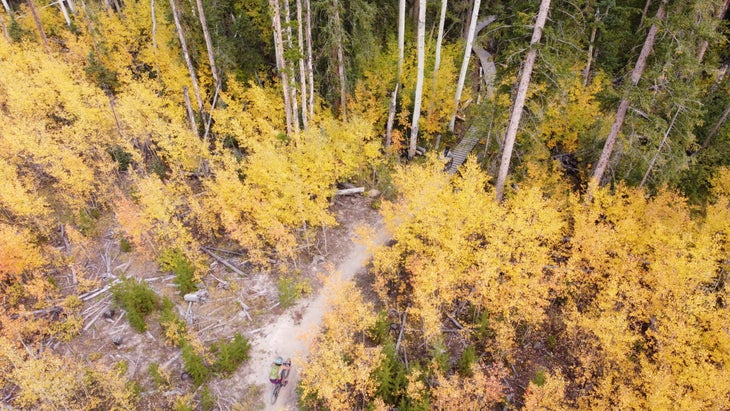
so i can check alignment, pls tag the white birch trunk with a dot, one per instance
(439, 39)
(71, 6)
(280, 62)
(465, 62)
(591, 45)
(401, 53)
(208, 42)
(154, 26)
(340, 59)
(66, 17)
(5, 30)
(519, 104)
(437, 63)
(186, 55)
(624, 104)
(310, 70)
(302, 70)
(292, 79)
(419, 79)
(7, 7)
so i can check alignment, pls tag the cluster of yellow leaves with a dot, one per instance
(548, 396)
(49, 381)
(18, 254)
(279, 189)
(373, 92)
(483, 389)
(644, 281)
(337, 373)
(454, 243)
(572, 114)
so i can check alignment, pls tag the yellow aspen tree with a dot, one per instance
(337, 373)
(483, 389)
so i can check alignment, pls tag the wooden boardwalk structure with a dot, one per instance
(465, 146)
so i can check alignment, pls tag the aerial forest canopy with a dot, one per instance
(554, 177)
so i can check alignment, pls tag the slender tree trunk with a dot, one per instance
(154, 27)
(340, 59)
(719, 16)
(419, 78)
(38, 24)
(66, 17)
(439, 39)
(5, 30)
(437, 61)
(208, 42)
(659, 149)
(644, 12)
(71, 6)
(191, 113)
(401, 54)
(291, 71)
(591, 45)
(7, 7)
(624, 104)
(715, 129)
(281, 63)
(514, 120)
(310, 70)
(465, 61)
(302, 70)
(186, 55)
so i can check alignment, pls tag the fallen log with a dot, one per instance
(349, 191)
(223, 261)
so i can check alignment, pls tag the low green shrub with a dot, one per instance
(539, 378)
(124, 245)
(138, 299)
(291, 289)
(207, 401)
(229, 355)
(194, 364)
(380, 331)
(174, 260)
(158, 377)
(468, 357)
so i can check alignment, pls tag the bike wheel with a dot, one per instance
(275, 393)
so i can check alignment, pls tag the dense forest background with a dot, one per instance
(577, 259)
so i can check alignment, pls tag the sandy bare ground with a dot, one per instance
(291, 334)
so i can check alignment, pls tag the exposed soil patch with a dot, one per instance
(249, 305)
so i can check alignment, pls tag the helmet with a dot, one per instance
(278, 361)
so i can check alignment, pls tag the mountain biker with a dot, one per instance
(279, 371)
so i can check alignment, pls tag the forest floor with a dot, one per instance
(249, 305)
(290, 334)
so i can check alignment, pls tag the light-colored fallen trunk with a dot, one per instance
(208, 42)
(624, 104)
(401, 53)
(350, 191)
(465, 61)
(418, 98)
(519, 104)
(281, 62)
(186, 55)
(302, 70)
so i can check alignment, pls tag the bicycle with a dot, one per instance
(278, 385)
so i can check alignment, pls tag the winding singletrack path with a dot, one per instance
(288, 337)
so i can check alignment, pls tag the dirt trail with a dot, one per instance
(291, 337)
